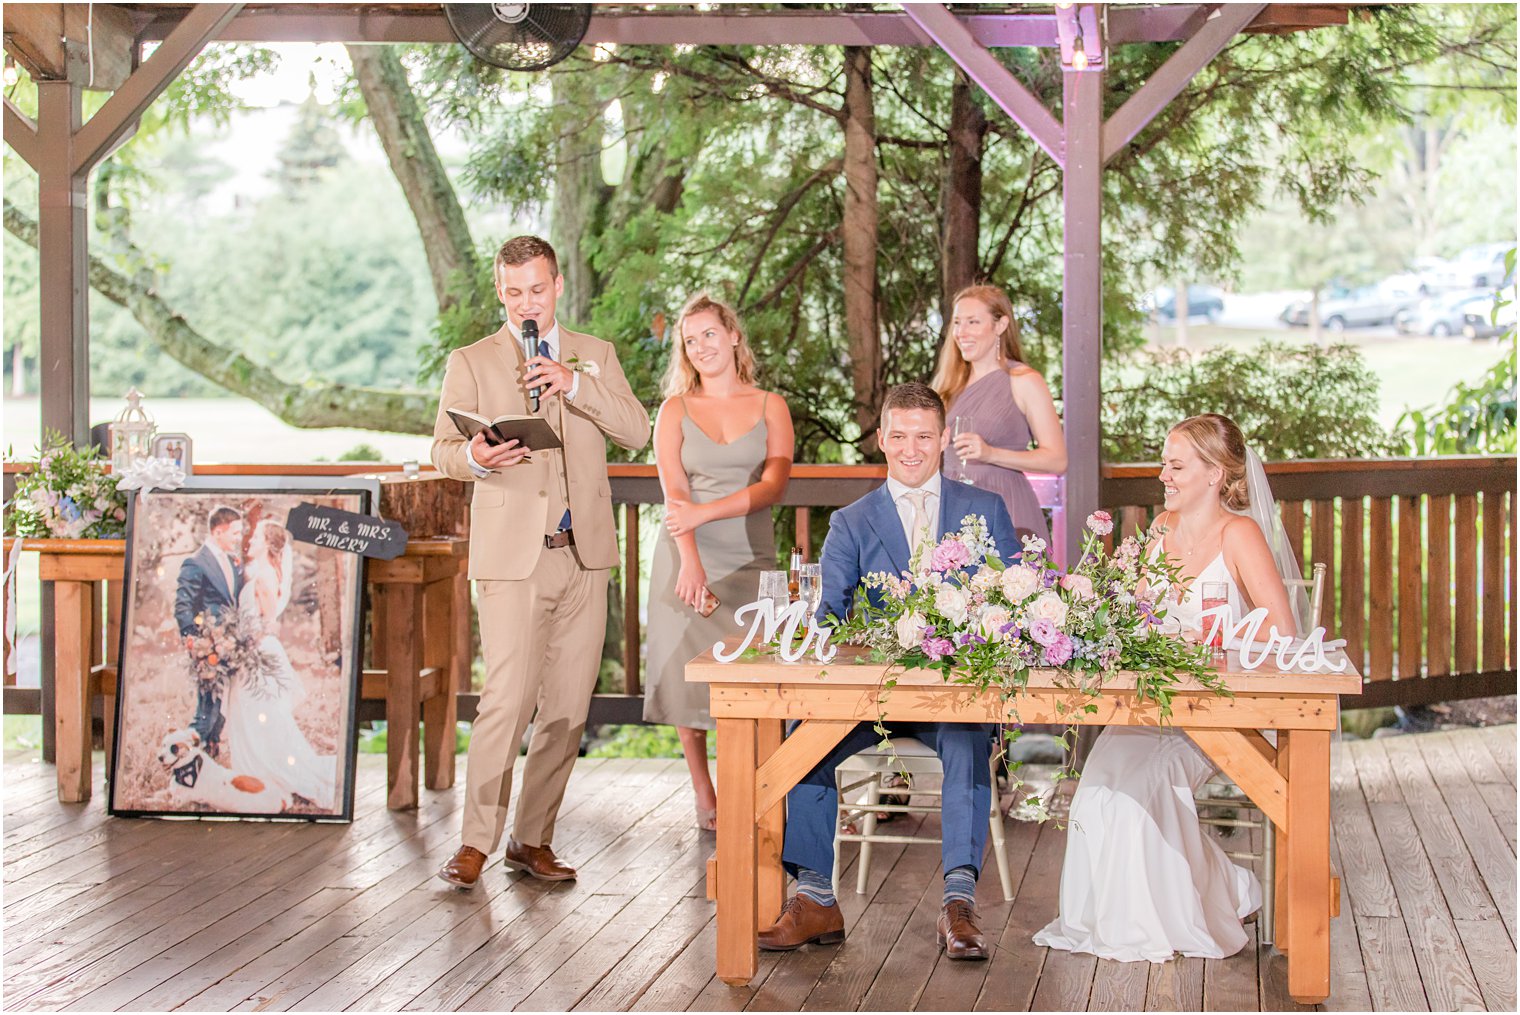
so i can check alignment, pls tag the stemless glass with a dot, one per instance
(963, 425)
(1216, 595)
(773, 586)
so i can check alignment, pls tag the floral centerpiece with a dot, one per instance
(963, 611)
(67, 495)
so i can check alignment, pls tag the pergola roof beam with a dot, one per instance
(21, 134)
(996, 80)
(1173, 76)
(728, 26)
(118, 117)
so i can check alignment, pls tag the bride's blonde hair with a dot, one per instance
(275, 538)
(1221, 445)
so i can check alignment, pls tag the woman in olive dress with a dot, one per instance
(724, 451)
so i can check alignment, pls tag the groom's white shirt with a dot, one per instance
(226, 564)
(898, 492)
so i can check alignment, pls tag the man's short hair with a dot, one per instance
(522, 249)
(913, 395)
(222, 516)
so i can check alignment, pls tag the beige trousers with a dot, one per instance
(542, 641)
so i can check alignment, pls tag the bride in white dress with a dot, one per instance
(1141, 880)
(261, 726)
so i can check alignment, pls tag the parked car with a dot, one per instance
(1442, 315)
(1203, 301)
(1477, 267)
(1355, 308)
(1478, 324)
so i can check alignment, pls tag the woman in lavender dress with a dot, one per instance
(1008, 420)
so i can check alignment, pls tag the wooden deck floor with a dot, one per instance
(122, 914)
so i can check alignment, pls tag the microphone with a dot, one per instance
(530, 349)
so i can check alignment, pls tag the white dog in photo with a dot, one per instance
(195, 778)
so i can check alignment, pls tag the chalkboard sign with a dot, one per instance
(348, 531)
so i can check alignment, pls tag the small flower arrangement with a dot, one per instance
(963, 611)
(589, 367)
(67, 495)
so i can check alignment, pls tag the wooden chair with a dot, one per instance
(867, 769)
(1220, 802)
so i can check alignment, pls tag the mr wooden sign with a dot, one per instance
(346, 531)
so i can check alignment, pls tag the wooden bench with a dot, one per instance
(415, 604)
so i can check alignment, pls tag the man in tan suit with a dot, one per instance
(542, 541)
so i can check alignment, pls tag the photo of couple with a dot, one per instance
(238, 660)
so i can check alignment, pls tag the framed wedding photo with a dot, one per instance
(240, 658)
(177, 448)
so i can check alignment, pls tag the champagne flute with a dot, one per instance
(810, 586)
(773, 586)
(963, 425)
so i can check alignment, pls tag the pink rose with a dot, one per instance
(1078, 585)
(950, 555)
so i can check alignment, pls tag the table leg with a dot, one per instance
(1279, 886)
(73, 622)
(1308, 866)
(440, 712)
(738, 952)
(771, 877)
(114, 590)
(402, 640)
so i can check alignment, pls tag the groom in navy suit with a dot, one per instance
(207, 591)
(879, 532)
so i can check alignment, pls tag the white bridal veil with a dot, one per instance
(1263, 510)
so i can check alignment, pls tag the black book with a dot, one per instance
(532, 432)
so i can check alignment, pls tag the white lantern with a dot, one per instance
(131, 434)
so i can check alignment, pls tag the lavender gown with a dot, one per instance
(989, 401)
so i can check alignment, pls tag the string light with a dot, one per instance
(12, 74)
(1078, 55)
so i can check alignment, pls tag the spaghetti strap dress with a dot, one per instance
(1001, 423)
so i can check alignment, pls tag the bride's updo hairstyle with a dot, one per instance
(275, 538)
(1221, 445)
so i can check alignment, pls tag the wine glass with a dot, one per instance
(958, 426)
(1216, 595)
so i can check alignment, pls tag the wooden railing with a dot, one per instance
(1420, 554)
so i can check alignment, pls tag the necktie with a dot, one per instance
(920, 501)
(547, 353)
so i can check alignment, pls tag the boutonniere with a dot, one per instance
(588, 367)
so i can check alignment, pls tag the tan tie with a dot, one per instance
(920, 501)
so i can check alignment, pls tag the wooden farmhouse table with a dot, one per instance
(753, 698)
(413, 605)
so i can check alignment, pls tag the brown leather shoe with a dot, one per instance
(463, 868)
(803, 921)
(536, 861)
(958, 933)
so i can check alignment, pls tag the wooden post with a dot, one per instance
(440, 712)
(1082, 292)
(72, 649)
(401, 637)
(1308, 863)
(770, 876)
(738, 911)
(630, 599)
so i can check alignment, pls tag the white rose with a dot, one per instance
(993, 619)
(1020, 582)
(985, 579)
(910, 629)
(1048, 607)
(951, 602)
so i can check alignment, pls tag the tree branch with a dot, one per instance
(309, 406)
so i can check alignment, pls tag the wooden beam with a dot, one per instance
(1173, 76)
(1082, 295)
(1022, 105)
(21, 134)
(1257, 777)
(49, 39)
(118, 117)
(798, 754)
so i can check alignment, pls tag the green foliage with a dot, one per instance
(1290, 401)
(635, 741)
(66, 494)
(362, 453)
(1477, 419)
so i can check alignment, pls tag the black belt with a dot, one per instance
(564, 537)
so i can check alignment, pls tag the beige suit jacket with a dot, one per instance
(510, 506)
